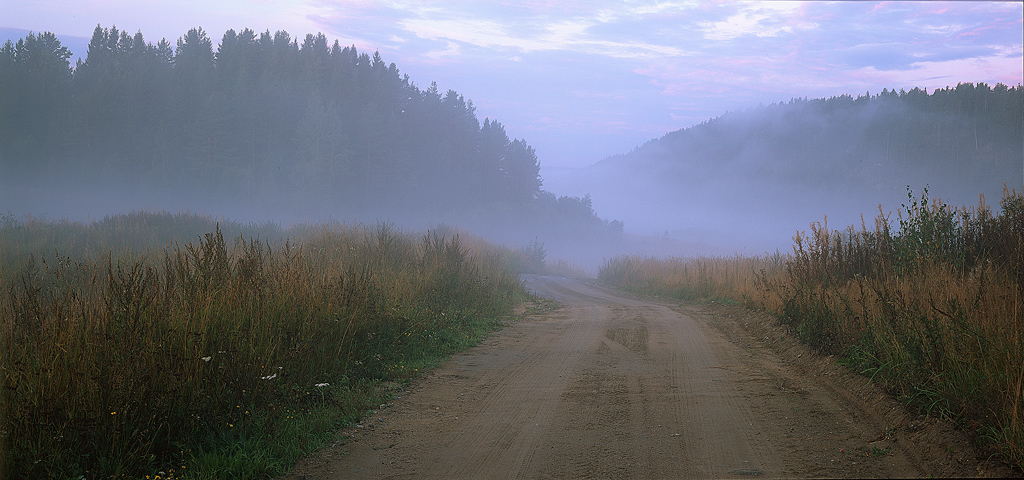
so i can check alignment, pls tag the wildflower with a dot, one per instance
(206, 359)
(269, 377)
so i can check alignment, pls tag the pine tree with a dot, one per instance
(35, 82)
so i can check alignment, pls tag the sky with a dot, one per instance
(583, 80)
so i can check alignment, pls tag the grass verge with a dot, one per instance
(130, 357)
(931, 308)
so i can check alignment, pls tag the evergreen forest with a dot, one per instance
(970, 133)
(261, 126)
(770, 170)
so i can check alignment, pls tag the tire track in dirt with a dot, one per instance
(612, 386)
(515, 415)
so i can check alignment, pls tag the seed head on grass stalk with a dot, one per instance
(931, 308)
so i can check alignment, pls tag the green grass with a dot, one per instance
(132, 352)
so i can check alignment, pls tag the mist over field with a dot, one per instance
(220, 245)
(263, 127)
(747, 181)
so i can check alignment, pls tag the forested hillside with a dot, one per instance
(260, 126)
(768, 171)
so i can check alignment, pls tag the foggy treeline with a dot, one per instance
(769, 171)
(262, 126)
(970, 133)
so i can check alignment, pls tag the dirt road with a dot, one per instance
(612, 386)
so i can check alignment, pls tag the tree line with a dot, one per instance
(961, 140)
(968, 128)
(263, 120)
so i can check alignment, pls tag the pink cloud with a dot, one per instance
(975, 32)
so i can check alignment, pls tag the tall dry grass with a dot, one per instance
(122, 363)
(930, 306)
(694, 278)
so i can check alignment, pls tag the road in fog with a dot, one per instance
(611, 386)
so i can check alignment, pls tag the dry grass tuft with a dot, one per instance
(931, 308)
(120, 362)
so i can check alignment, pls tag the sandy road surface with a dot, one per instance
(611, 386)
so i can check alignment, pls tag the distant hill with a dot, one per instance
(750, 179)
(78, 46)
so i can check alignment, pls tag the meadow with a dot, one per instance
(929, 304)
(158, 345)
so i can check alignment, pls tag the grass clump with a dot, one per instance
(701, 278)
(930, 306)
(215, 358)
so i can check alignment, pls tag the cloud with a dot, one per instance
(511, 28)
(565, 35)
(899, 56)
(761, 19)
(453, 50)
(941, 73)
